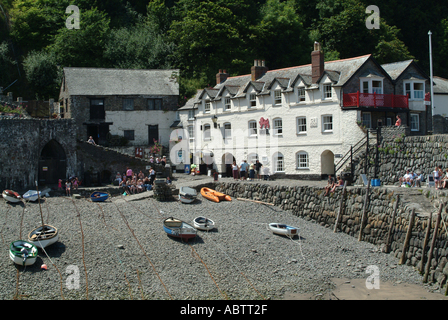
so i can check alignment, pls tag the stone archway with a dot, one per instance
(226, 163)
(52, 163)
(327, 163)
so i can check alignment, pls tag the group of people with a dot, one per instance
(69, 184)
(440, 178)
(332, 184)
(246, 171)
(133, 183)
(157, 160)
(412, 179)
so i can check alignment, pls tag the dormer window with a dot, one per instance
(253, 100)
(326, 91)
(414, 90)
(301, 94)
(370, 85)
(227, 105)
(207, 106)
(277, 97)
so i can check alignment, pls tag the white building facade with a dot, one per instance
(292, 120)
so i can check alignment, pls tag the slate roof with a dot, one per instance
(103, 81)
(395, 69)
(440, 85)
(339, 72)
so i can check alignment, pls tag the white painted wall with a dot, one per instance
(314, 142)
(139, 121)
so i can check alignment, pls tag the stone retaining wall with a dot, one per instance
(310, 203)
(398, 152)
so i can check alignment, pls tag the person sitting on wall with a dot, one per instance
(330, 184)
(340, 183)
(419, 179)
(444, 181)
(406, 179)
(91, 141)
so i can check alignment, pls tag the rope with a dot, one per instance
(83, 251)
(60, 275)
(149, 260)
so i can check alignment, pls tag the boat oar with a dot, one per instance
(38, 199)
(270, 204)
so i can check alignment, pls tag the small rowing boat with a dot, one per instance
(23, 253)
(283, 229)
(43, 236)
(203, 223)
(178, 228)
(214, 195)
(31, 195)
(11, 196)
(187, 194)
(98, 196)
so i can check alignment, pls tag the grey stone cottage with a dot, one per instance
(139, 105)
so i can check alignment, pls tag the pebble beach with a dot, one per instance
(117, 249)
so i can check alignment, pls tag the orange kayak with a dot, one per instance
(214, 195)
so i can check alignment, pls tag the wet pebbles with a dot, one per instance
(123, 253)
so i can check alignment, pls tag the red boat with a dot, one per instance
(11, 196)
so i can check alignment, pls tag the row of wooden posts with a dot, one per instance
(408, 233)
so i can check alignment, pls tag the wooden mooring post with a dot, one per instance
(433, 242)
(341, 204)
(408, 238)
(364, 211)
(391, 226)
(425, 243)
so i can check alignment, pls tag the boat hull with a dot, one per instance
(283, 229)
(17, 255)
(203, 223)
(11, 196)
(178, 229)
(214, 195)
(187, 195)
(99, 196)
(43, 239)
(31, 195)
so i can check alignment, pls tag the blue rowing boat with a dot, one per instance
(98, 196)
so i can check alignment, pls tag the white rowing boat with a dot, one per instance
(203, 223)
(23, 253)
(283, 229)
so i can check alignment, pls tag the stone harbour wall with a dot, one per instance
(398, 152)
(310, 203)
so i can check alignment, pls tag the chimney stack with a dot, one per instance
(258, 70)
(317, 62)
(221, 76)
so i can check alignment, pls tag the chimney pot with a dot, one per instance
(317, 62)
(258, 70)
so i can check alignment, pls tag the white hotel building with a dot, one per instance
(296, 121)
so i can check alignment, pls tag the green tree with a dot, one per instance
(42, 73)
(82, 47)
(137, 47)
(7, 66)
(206, 38)
(280, 37)
(342, 30)
(35, 22)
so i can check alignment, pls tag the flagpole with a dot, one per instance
(431, 77)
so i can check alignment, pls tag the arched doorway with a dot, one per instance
(52, 163)
(326, 163)
(226, 164)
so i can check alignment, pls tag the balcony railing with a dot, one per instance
(375, 100)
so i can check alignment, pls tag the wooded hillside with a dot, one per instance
(200, 37)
